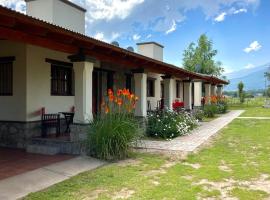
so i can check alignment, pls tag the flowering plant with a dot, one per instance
(177, 105)
(169, 124)
(111, 135)
(122, 102)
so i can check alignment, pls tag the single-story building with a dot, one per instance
(47, 63)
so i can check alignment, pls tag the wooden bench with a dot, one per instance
(50, 121)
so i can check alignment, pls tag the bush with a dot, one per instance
(198, 114)
(222, 108)
(169, 124)
(210, 110)
(111, 135)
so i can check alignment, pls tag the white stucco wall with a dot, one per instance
(57, 12)
(39, 83)
(151, 50)
(40, 9)
(13, 108)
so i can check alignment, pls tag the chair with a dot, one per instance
(50, 121)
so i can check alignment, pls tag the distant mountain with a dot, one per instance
(253, 78)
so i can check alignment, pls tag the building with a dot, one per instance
(47, 62)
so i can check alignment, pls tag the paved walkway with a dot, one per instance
(19, 186)
(193, 141)
(253, 117)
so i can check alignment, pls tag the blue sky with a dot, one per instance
(240, 29)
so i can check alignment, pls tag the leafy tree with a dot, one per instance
(200, 58)
(241, 92)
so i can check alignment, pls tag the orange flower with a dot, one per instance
(107, 110)
(136, 98)
(119, 101)
(119, 92)
(110, 92)
(111, 98)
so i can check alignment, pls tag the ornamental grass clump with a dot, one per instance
(111, 134)
(168, 124)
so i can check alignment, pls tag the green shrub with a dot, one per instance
(222, 108)
(198, 114)
(110, 137)
(169, 124)
(112, 134)
(210, 110)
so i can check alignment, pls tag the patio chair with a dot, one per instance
(50, 121)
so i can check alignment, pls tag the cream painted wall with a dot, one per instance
(13, 108)
(40, 9)
(151, 50)
(57, 12)
(38, 83)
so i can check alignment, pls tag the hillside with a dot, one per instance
(253, 78)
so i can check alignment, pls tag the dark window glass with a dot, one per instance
(110, 80)
(6, 78)
(150, 88)
(61, 80)
(128, 81)
(177, 89)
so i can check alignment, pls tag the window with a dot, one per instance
(150, 87)
(6, 76)
(62, 77)
(177, 89)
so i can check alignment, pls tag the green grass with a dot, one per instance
(240, 154)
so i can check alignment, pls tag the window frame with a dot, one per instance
(60, 69)
(8, 72)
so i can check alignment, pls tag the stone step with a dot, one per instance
(42, 149)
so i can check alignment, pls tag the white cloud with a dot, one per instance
(221, 17)
(136, 37)
(18, 5)
(128, 17)
(249, 66)
(172, 28)
(242, 10)
(148, 36)
(254, 46)
(227, 69)
(110, 9)
(100, 36)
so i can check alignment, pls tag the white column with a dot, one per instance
(197, 94)
(83, 91)
(188, 95)
(207, 92)
(168, 92)
(219, 90)
(213, 90)
(140, 92)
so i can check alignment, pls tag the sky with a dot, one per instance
(239, 29)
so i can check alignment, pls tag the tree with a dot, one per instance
(200, 58)
(241, 92)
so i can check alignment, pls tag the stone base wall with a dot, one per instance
(18, 134)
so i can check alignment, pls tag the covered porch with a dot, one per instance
(50, 70)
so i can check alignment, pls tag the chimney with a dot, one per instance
(151, 49)
(59, 12)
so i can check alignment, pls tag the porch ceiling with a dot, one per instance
(22, 28)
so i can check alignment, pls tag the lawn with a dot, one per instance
(236, 164)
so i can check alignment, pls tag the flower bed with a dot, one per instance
(111, 135)
(169, 124)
